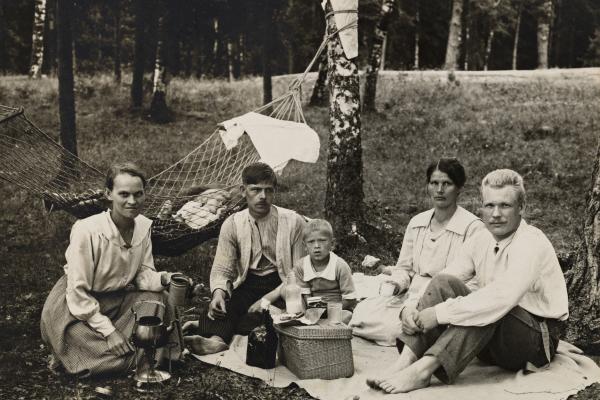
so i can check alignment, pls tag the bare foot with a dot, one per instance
(416, 376)
(407, 357)
(202, 346)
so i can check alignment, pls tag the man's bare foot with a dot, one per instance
(407, 357)
(202, 345)
(416, 376)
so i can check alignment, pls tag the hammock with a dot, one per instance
(187, 202)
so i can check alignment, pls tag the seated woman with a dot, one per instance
(431, 240)
(87, 318)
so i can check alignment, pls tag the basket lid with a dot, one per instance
(322, 330)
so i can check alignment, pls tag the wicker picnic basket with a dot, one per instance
(316, 351)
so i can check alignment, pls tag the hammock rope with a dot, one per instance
(187, 202)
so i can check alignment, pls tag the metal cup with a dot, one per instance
(179, 289)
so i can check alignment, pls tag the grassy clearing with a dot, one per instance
(545, 128)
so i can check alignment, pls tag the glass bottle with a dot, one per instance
(293, 296)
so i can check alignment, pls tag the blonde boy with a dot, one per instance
(322, 273)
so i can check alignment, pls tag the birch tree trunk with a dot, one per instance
(583, 279)
(159, 112)
(543, 33)
(417, 36)
(515, 51)
(344, 199)
(387, 7)
(488, 49)
(215, 49)
(66, 97)
(453, 46)
(230, 77)
(320, 94)
(117, 43)
(37, 39)
(137, 83)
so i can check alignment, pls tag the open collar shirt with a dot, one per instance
(524, 271)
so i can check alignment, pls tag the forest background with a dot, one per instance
(543, 125)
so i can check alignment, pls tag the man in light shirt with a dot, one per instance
(257, 248)
(510, 319)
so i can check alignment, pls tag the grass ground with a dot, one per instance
(545, 127)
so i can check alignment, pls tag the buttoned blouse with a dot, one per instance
(99, 261)
(424, 253)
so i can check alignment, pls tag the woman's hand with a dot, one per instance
(118, 343)
(216, 308)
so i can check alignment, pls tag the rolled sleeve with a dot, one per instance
(80, 277)
(147, 278)
(223, 272)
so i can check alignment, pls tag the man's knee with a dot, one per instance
(445, 281)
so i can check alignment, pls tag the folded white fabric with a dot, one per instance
(277, 141)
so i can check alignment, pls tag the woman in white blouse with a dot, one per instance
(87, 318)
(431, 240)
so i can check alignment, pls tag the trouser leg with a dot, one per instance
(519, 339)
(440, 288)
(253, 288)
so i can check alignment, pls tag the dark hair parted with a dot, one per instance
(451, 167)
(123, 168)
(258, 173)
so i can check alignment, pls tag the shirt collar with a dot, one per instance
(328, 273)
(140, 229)
(502, 244)
(458, 222)
(273, 214)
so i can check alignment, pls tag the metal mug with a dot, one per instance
(180, 289)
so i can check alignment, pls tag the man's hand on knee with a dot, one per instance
(409, 324)
(256, 307)
(427, 319)
(217, 308)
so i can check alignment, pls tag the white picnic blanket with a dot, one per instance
(568, 373)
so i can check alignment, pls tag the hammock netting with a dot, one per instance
(187, 202)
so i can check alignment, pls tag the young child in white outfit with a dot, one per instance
(322, 273)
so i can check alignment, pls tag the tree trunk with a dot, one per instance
(387, 7)
(488, 50)
(137, 83)
(466, 33)
(583, 326)
(118, 41)
(267, 33)
(515, 51)
(344, 199)
(37, 39)
(159, 112)
(453, 46)
(241, 54)
(320, 94)
(66, 97)
(230, 77)
(543, 33)
(417, 36)
(215, 47)
(3, 41)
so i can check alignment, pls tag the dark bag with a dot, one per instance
(262, 344)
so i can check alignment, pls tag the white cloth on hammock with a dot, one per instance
(277, 141)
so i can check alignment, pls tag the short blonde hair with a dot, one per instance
(500, 178)
(318, 225)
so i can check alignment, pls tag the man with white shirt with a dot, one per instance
(512, 317)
